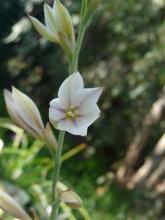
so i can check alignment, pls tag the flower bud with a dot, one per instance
(68, 196)
(26, 115)
(11, 207)
(24, 112)
(58, 26)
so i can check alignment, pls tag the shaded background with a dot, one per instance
(124, 52)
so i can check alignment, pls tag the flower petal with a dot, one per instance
(56, 103)
(89, 98)
(69, 89)
(82, 131)
(89, 118)
(71, 127)
(67, 125)
(49, 20)
(55, 115)
(63, 19)
(56, 111)
(43, 30)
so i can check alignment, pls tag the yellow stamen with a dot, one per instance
(71, 112)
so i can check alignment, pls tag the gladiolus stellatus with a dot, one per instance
(76, 108)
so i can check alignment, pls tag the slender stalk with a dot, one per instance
(56, 173)
(74, 64)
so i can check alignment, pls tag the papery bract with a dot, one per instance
(68, 196)
(76, 108)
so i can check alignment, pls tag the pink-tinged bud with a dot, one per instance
(24, 112)
(26, 115)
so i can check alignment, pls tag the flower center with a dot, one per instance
(71, 112)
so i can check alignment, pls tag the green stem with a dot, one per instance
(56, 173)
(74, 63)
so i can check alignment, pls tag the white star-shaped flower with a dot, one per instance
(76, 108)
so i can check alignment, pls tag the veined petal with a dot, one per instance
(56, 115)
(43, 30)
(88, 118)
(27, 109)
(63, 19)
(56, 103)
(49, 20)
(82, 131)
(71, 127)
(89, 97)
(69, 89)
(67, 125)
(85, 109)
(56, 111)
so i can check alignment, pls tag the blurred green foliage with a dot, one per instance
(124, 52)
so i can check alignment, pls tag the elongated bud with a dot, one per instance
(26, 115)
(69, 197)
(24, 112)
(11, 207)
